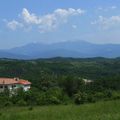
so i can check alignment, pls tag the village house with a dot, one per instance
(14, 83)
(87, 81)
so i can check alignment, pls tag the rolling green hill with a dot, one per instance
(34, 70)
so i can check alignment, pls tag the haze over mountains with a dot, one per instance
(75, 49)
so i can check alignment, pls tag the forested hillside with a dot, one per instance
(94, 68)
(59, 80)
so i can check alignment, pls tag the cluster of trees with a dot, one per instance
(59, 80)
(67, 90)
(33, 97)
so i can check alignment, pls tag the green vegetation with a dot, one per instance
(58, 91)
(60, 81)
(109, 110)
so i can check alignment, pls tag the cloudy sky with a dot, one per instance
(48, 21)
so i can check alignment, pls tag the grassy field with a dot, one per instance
(98, 111)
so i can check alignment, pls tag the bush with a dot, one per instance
(108, 93)
(116, 95)
(41, 99)
(21, 103)
(91, 99)
(54, 100)
(66, 99)
(80, 98)
(99, 95)
(30, 108)
(54, 96)
(7, 104)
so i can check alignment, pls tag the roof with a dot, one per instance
(24, 82)
(9, 81)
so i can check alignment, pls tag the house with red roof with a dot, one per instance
(14, 83)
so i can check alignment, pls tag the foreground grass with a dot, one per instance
(98, 111)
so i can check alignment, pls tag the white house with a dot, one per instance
(87, 81)
(14, 83)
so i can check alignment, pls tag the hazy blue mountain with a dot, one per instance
(6, 54)
(75, 49)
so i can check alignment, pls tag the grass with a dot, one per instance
(97, 111)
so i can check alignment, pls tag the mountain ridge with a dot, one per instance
(75, 49)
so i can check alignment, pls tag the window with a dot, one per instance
(13, 86)
(6, 86)
(1, 87)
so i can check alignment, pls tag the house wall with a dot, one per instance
(26, 87)
(1, 89)
(10, 87)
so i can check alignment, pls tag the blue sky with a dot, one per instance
(48, 21)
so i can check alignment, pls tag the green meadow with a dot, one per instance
(107, 110)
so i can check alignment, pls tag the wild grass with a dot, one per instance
(109, 110)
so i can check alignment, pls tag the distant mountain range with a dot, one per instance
(75, 49)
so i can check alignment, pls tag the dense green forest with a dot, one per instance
(60, 80)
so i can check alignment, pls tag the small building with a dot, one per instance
(87, 81)
(14, 83)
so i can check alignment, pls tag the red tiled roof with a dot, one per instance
(24, 82)
(9, 81)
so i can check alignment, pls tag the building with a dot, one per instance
(14, 83)
(87, 81)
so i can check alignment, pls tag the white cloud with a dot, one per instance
(13, 25)
(113, 7)
(30, 18)
(100, 8)
(107, 8)
(106, 23)
(46, 22)
(69, 12)
(74, 26)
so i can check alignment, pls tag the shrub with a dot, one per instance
(7, 104)
(54, 100)
(21, 103)
(108, 93)
(80, 98)
(54, 96)
(66, 99)
(116, 95)
(91, 99)
(99, 95)
(30, 108)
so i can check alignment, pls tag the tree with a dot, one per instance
(80, 98)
